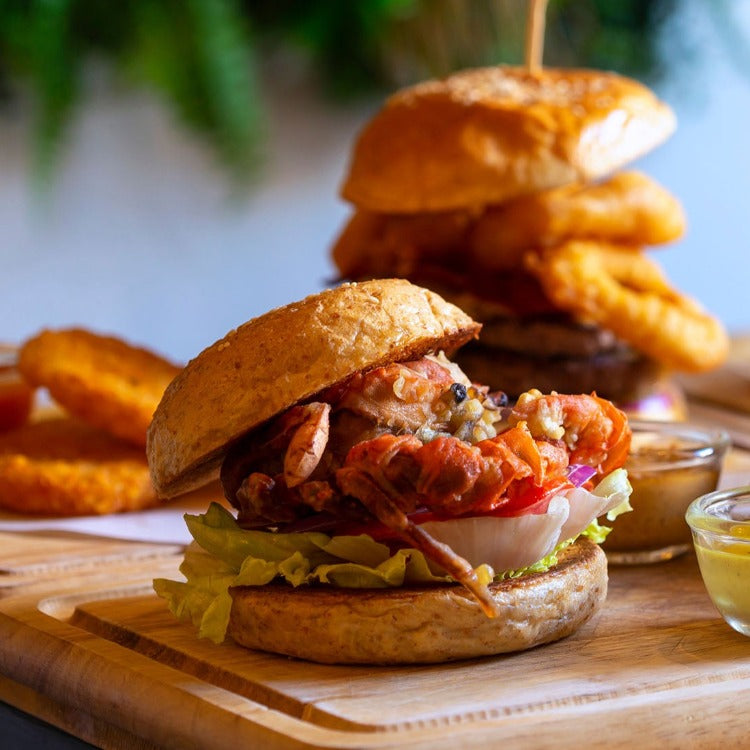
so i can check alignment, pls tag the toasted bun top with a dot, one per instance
(286, 356)
(486, 135)
(421, 625)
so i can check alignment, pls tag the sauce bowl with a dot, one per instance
(670, 464)
(720, 524)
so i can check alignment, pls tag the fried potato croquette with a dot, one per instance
(61, 466)
(627, 293)
(627, 209)
(101, 379)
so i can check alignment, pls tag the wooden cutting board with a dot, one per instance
(29, 558)
(99, 655)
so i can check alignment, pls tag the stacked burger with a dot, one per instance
(501, 188)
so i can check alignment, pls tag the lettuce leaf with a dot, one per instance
(223, 555)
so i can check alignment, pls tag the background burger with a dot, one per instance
(388, 510)
(502, 188)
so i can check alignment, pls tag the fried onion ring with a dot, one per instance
(627, 293)
(101, 379)
(60, 466)
(394, 245)
(628, 208)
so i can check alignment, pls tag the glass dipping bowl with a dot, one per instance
(720, 523)
(670, 464)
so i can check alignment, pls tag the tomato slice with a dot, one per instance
(524, 498)
(16, 400)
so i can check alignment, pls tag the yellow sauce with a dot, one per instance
(726, 573)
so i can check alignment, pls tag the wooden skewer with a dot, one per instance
(535, 34)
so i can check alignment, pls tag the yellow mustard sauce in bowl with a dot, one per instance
(670, 464)
(720, 525)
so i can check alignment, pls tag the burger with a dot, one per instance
(503, 190)
(381, 507)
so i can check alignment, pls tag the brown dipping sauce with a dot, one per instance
(667, 472)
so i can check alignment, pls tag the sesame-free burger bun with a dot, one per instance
(486, 135)
(286, 356)
(421, 624)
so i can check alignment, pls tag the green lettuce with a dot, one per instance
(223, 555)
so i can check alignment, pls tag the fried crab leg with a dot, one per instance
(375, 498)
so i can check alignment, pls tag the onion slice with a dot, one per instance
(504, 543)
(515, 542)
(579, 474)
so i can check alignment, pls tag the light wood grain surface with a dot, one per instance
(106, 649)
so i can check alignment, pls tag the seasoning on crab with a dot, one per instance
(418, 436)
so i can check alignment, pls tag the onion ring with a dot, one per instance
(628, 208)
(627, 293)
(60, 466)
(103, 380)
(394, 244)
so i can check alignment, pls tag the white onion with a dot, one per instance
(511, 543)
(504, 543)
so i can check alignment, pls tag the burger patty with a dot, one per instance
(551, 335)
(526, 343)
(619, 374)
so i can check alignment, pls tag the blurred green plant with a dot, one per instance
(198, 54)
(202, 55)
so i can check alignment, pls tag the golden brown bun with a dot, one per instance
(421, 625)
(283, 357)
(487, 135)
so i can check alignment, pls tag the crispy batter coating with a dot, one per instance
(627, 293)
(627, 209)
(385, 245)
(101, 379)
(60, 466)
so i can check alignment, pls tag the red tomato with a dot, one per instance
(524, 498)
(16, 399)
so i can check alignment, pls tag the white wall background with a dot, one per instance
(138, 237)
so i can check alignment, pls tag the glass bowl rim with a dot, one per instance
(706, 442)
(699, 519)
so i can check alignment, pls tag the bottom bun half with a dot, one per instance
(421, 624)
